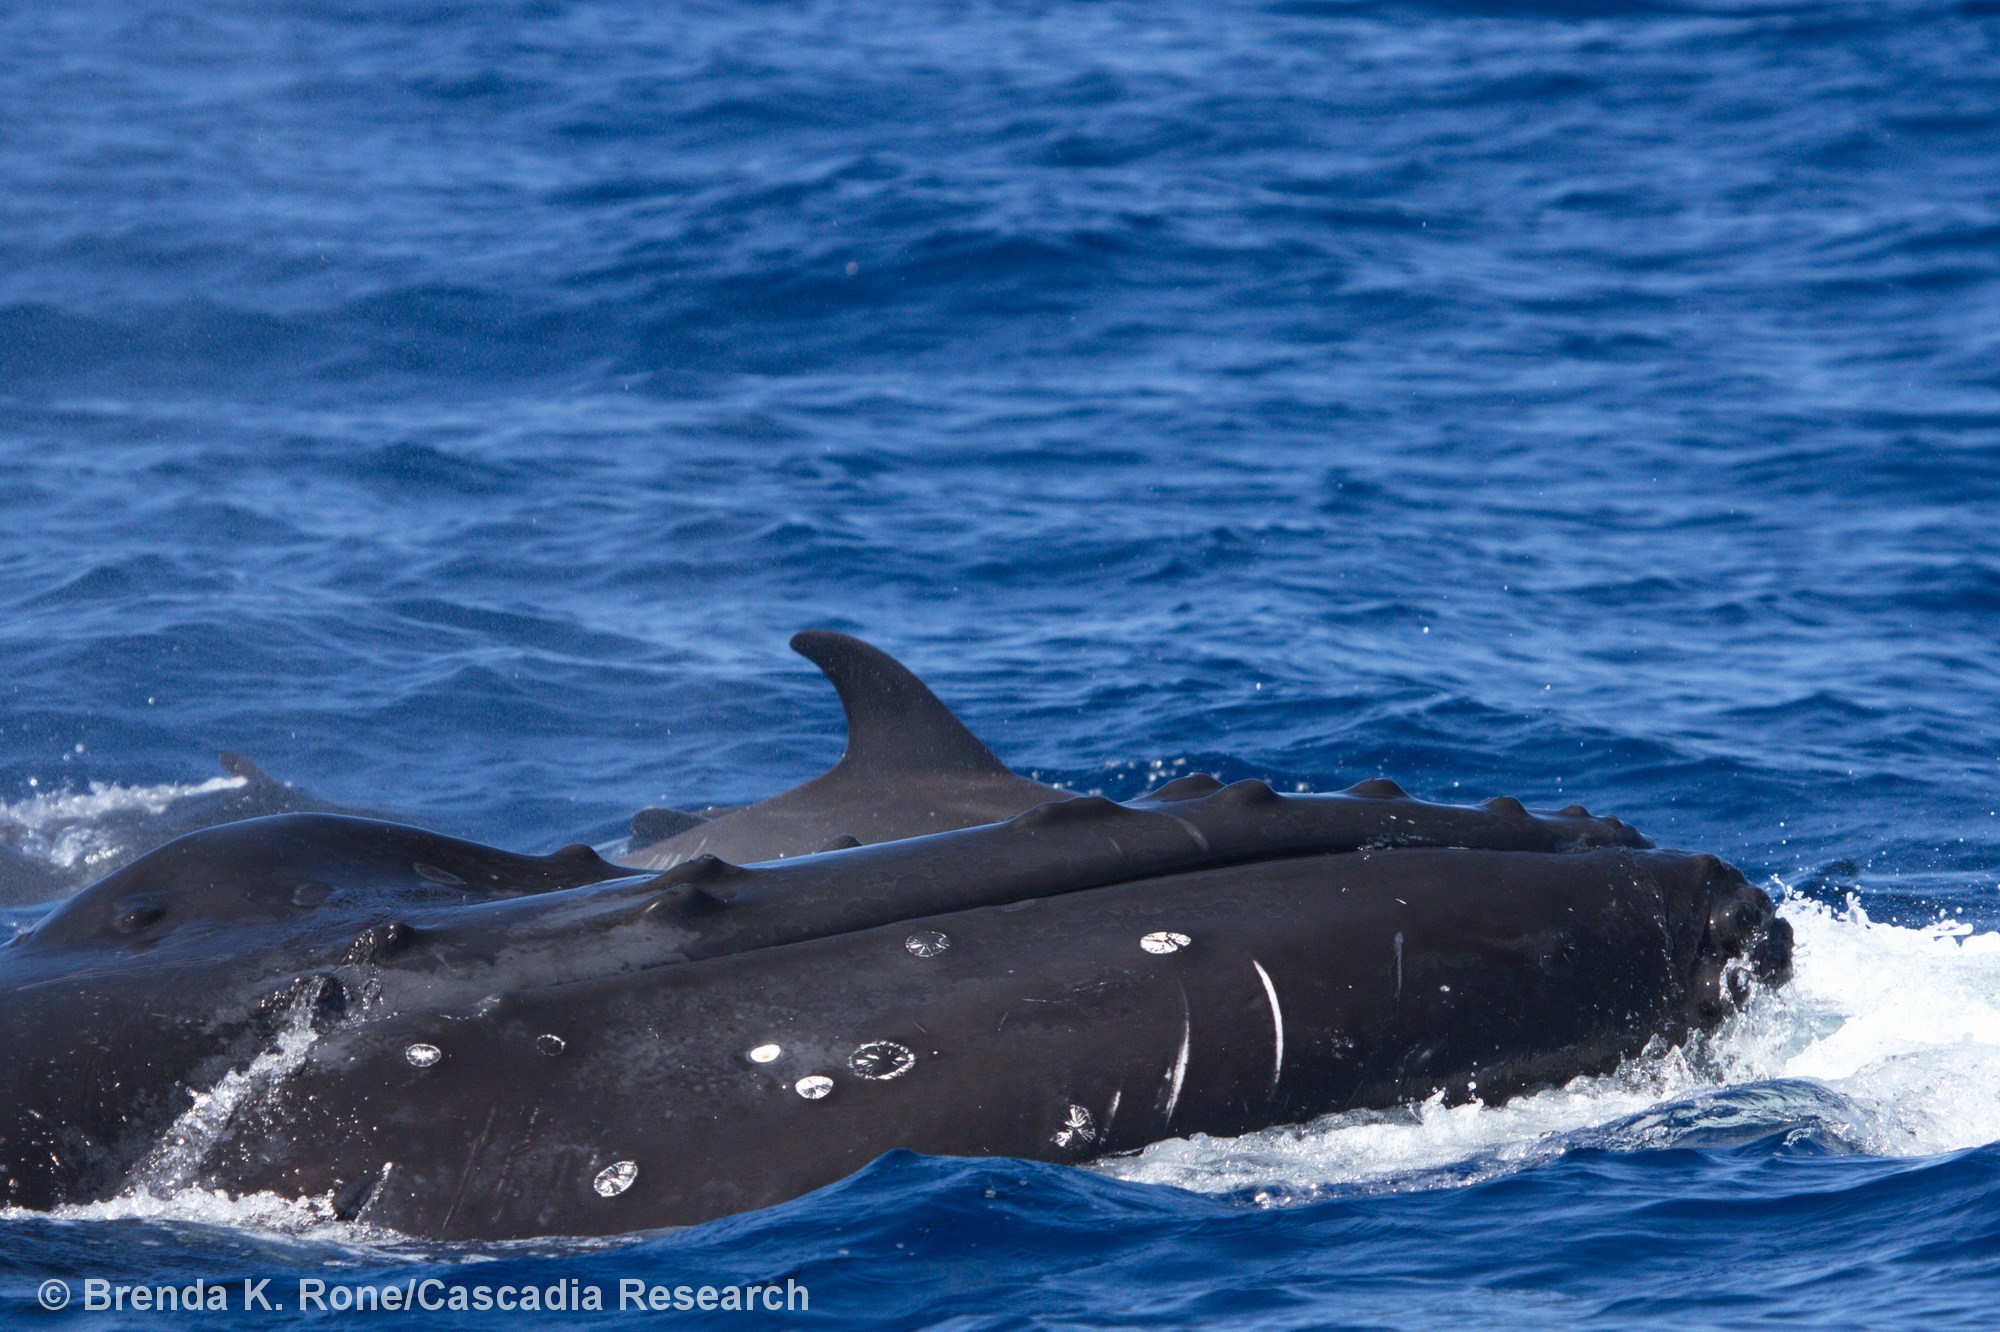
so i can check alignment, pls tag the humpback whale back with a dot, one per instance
(1212, 1002)
(468, 1029)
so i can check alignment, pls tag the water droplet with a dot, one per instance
(813, 1087)
(1078, 1128)
(764, 1054)
(878, 1061)
(422, 1055)
(551, 1044)
(615, 1178)
(927, 943)
(1164, 941)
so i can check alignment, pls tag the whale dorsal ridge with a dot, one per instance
(894, 723)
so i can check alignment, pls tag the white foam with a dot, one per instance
(303, 1217)
(1886, 1041)
(63, 827)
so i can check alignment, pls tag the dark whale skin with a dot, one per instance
(584, 1017)
(1513, 971)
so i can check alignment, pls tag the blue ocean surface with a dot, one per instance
(455, 408)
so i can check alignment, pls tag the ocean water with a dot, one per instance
(455, 407)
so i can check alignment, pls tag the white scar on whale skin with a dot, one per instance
(1277, 1023)
(1179, 1071)
(1191, 831)
(1399, 964)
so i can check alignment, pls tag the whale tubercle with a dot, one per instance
(1190, 787)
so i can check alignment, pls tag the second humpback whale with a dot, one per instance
(460, 1042)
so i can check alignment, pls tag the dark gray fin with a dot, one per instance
(894, 723)
(25, 879)
(656, 823)
(238, 766)
(840, 843)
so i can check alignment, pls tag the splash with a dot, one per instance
(83, 829)
(178, 1156)
(162, 1188)
(162, 1185)
(1887, 1041)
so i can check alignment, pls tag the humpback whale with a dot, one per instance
(910, 768)
(459, 1042)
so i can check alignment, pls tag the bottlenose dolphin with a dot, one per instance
(910, 768)
(121, 834)
(459, 1042)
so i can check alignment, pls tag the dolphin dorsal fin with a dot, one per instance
(894, 723)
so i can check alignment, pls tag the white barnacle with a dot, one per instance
(879, 1061)
(615, 1178)
(1164, 941)
(422, 1055)
(1078, 1129)
(764, 1054)
(927, 943)
(814, 1086)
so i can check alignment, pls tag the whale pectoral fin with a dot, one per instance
(895, 724)
(656, 823)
